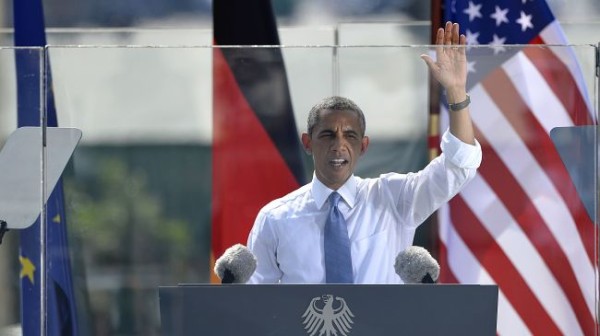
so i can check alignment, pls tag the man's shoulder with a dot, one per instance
(292, 202)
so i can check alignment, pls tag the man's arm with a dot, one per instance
(450, 69)
(262, 243)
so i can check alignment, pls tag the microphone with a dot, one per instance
(416, 265)
(236, 265)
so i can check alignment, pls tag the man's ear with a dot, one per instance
(306, 143)
(364, 145)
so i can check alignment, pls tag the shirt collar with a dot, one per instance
(321, 193)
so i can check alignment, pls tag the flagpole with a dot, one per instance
(43, 221)
(434, 86)
(597, 171)
(433, 136)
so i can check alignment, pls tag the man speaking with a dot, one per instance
(341, 228)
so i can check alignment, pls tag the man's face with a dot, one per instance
(335, 144)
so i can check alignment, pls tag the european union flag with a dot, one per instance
(61, 308)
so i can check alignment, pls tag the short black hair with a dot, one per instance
(334, 103)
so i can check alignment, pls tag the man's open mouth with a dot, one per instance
(338, 162)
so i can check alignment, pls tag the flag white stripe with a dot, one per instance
(468, 270)
(536, 93)
(525, 169)
(496, 219)
(509, 322)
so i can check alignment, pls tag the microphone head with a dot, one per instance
(416, 265)
(236, 265)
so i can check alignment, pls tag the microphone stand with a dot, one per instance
(228, 277)
(3, 229)
(427, 279)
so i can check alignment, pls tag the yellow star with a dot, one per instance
(56, 219)
(27, 268)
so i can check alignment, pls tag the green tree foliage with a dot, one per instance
(120, 221)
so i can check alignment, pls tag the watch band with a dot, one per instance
(461, 105)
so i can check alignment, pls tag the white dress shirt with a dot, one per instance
(382, 215)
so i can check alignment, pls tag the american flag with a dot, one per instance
(521, 223)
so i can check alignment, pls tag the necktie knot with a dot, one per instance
(335, 199)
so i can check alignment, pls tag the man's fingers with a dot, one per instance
(455, 34)
(448, 33)
(439, 41)
(430, 62)
(440, 36)
(447, 37)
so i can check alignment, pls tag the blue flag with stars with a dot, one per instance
(61, 310)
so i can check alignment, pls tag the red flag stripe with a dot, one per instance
(494, 260)
(509, 102)
(446, 274)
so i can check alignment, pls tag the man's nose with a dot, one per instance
(338, 142)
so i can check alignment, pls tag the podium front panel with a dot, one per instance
(328, 310)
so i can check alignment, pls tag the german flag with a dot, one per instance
(256, 150)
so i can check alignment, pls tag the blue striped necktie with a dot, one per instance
(338, 262)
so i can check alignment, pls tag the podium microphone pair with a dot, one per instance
(413, 265)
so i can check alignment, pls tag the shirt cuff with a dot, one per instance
(459, 153)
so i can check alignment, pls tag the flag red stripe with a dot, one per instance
(433, 142)
(560, 80)
(446, 274)
(518, 204)
(510, 102)
(491, 256)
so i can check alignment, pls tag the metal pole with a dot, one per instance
(597, 171)
(43, 221)
(434, 119)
